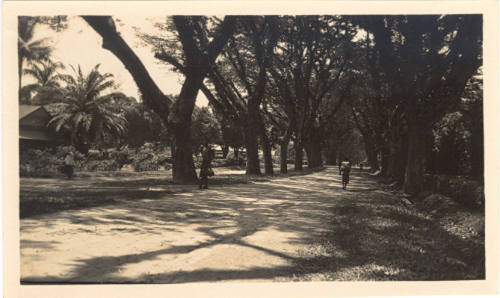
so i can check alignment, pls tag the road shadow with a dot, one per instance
(361, 227)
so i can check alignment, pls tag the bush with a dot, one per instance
(465, 191)
(99, 165)
(150, 159)
(38, 163)
(46, 162)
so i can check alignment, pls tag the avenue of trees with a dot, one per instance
(406, 90)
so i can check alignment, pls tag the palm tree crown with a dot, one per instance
(86, 114)
(47, 85)
(27, 48)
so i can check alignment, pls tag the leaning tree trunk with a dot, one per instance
(196, 67)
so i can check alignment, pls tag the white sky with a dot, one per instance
(80, 44)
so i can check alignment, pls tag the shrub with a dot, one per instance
(465, 191)
(46, 162)
(150, 159)
(38, 163)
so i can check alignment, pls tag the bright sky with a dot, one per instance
(80, 44)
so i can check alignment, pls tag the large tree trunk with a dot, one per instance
(180, 124)
(414, 174)
(251, 141)
(331, 155)
(112, 41)
(314, 158)
(266, 150)
(284, 152)
(197, 64)
(371, 154)
(397, 161)
(299, 156)
(283, 157)
(385, 160)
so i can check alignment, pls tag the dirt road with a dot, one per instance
(259, 231)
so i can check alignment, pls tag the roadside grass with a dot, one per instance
(92, 189)
(373, 236)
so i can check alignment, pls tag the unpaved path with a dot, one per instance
(256, 231)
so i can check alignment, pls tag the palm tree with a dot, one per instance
(86, 115)
(47, 87)
(27, 48)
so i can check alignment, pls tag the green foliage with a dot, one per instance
(465, 191)
(46, 162)
(204, 128)
(38, 163)
(144, 126)
(86, 115)
(149, 158)
(47, 87)
(29, 49)
(451, 151)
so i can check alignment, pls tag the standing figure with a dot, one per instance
(345, 169)
(206, 167)
(69, 164)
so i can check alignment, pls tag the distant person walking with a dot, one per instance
(206, 166)
(345, 169)
(69, 165)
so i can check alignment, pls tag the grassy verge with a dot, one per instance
(373, 236)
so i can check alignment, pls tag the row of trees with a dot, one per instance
(278, 78)
(314, 81)
(417, 68)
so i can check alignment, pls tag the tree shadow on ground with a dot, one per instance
(385, 241)
(40, 196)
(364, 235)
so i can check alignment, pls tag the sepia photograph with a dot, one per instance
(249, 148)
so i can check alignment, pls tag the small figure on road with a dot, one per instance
(345, 169)
(206, 166)
(69, 164)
